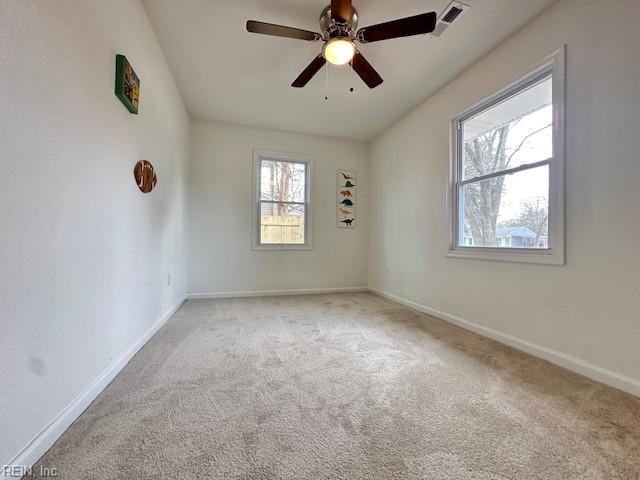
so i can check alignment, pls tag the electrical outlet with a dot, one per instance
(168, 278)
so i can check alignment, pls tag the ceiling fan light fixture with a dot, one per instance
(339, 27)
(339, 50)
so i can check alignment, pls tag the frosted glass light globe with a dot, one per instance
(339, 50)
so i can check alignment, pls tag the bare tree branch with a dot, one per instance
(521, 144)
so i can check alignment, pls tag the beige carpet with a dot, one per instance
(347, 386)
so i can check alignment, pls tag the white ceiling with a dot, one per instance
(225, 73)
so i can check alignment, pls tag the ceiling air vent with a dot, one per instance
(448, 16)
(452, 14)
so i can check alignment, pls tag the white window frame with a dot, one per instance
(554, 254)
(258, 156)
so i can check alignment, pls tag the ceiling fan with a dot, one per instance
(338, 23)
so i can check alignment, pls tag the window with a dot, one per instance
(506, 188)
(282, 194)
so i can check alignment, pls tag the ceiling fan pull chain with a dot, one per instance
(351, 75)
(326, 81)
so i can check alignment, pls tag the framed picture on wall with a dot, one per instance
(127, 84)
(347, 199)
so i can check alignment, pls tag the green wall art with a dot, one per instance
(127, 84)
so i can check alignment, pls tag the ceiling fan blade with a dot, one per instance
(281, 31)
(404, 27)
(366, 72)
(341, 10)
(308, 73)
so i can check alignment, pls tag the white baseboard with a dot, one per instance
(31, 453)
(274, 293)
(594, 372)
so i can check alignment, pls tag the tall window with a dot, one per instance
(507, 169)
(282, 201)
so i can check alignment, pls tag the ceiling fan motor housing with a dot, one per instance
(330, 28)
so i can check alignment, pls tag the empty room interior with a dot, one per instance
(320, 239)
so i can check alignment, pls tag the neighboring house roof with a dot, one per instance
(516, 232)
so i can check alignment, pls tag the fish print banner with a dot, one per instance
(347, 201)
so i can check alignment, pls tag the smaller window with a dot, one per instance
(282, 201)
(506, 188)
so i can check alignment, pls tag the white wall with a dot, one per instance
(84, 255)
(587, 309)
(221, 258)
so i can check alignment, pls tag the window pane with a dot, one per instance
(282, 181)
(510, 211)
(281, 223)
(514, 132)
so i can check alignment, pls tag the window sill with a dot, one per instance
(544, 257)
(281, 247)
